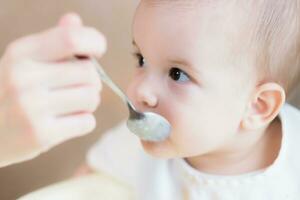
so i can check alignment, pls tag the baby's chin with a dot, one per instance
(161, 150)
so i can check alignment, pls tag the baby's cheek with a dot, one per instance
(198, 133)
(195, 126)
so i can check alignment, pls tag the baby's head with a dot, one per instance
(218, 70)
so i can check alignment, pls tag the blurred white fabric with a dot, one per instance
(91, 187)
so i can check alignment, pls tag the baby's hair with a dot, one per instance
(276, 33)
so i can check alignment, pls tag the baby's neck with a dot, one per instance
(256, 155)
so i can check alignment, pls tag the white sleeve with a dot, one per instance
(117, 153)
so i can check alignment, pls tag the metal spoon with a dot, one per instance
(148, 126)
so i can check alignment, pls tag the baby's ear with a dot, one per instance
(264, 106)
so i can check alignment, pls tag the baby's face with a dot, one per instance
(186, 73)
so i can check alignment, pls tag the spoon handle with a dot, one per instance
(105, 78)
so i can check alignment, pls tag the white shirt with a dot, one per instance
(120, 154)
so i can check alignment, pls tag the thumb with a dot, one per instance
(70, 19)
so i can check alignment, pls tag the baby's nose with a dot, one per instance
(146, 94)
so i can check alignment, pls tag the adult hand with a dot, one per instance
(47, 96)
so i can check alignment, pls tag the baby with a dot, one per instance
(219, 72)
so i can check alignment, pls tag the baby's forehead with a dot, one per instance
(216, 14)
(187, 3)
(200, 32)
(181, 2)
(202, 8)
(201, 17)
(174, 2)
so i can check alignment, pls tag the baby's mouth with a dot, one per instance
(149, 126)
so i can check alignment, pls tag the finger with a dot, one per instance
(70, 19)
(34, 103)
(73, 73)
(61, 129)
(58, 44)
(40, 103)
(73, 100)
(55, 76)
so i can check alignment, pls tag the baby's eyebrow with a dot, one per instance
(180, 62)
(185, 64)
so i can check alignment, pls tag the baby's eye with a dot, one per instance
(140, 59)
(178, 75)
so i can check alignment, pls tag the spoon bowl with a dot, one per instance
(149, 127)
